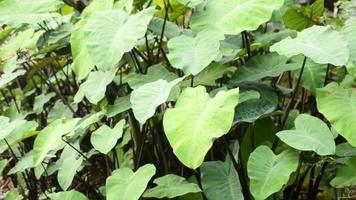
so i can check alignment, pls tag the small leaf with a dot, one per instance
(196, 120)
(95, 86)
(147, 98)
(171, 186)
(41, 100)
(264, 168)
(192, 55)
(105, 138)
(322, 44)
(121, 104)
(311, 134)
(124, 184)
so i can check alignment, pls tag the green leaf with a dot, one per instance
(41, 100)
(82, 62)
(171, 29)
(121, 104)
(171, 186)
(7, 127)
(192, 55)
(253, 109)
(124, 184)
(25, 162)
(145, 99)
(50, 138)
(295, 19)
(196, 120)
(338, 105)
(69, 163)
(109, 34)
(322, 44)
(95, 86)
(59, 110)
(345, 150)
(349, 32)
(105, 138)
(17, 12)
(311, 134)
(68, 195)
(191, 3)
(221, 15)
(345, 175)
(154, 73)
(220, 181)
(13, 194)
(210, 74)
(265, 168)
(9, 77)
(313, 74)
(258, 67)
(261, 132)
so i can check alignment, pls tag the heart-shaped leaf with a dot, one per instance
(192, 55)
(269, 172)
(338, 105)
(124, 184)
(232, 16)
(110, 33)
(148, 97)
(310, 134)
(104, 138)
(322, 44)
(196, 120)
(345, 175)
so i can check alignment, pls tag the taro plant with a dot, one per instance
(177, 99)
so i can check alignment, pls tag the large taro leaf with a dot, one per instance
(17, 12)
(105, 138)
(50, 138)
(338, 105)
(253, 109)
(234, 16)
(124, 184)
(68, 195)
(310, 134)
(193, 54)
(171, 186)
(7, 127)
(148, 97)
(109, 34)
(82, 62)
(322, 44)
(270, 65)
(196, 120)
(345, 175)
(269, 172)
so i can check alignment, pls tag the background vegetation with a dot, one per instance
(177, 99)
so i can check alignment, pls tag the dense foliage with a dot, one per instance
(177, 99)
